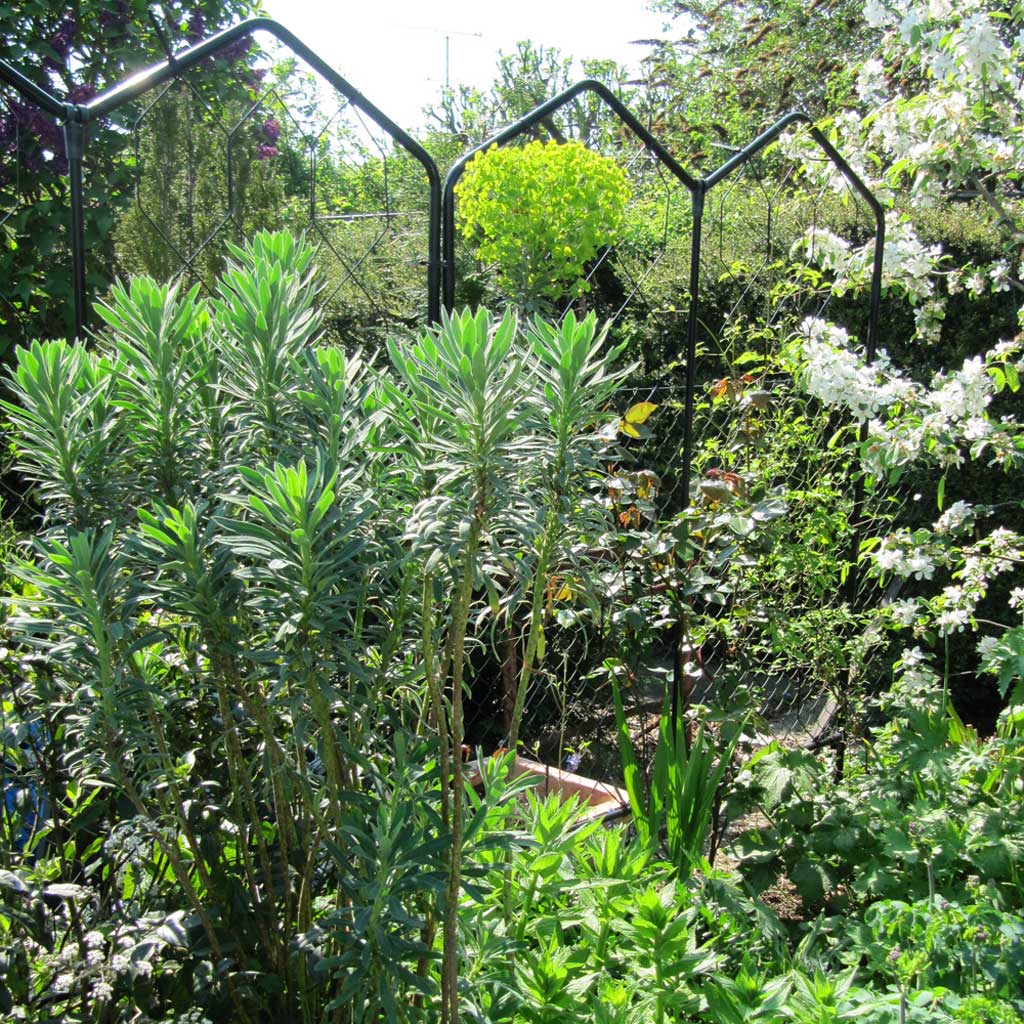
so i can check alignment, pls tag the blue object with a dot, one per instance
(23, 801)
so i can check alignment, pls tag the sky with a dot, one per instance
(394, 51)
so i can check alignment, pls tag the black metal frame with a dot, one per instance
(440, 261)
(76, 119)
(698, 188)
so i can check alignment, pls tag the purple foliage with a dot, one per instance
(196, 28)
(266, 152)
(64, 38)
(8, 132)
(271, 129)
(115, 19)
(39, 140)
(45, 132)
(34, 162)
(254, 79)
(81, 93)
(237, 49)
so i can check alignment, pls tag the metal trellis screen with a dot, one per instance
(213, 146)
(210, 145)
(704, 272)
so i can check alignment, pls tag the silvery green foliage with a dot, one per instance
(250, 543)
(199, 596)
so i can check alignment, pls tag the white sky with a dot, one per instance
(393, 51)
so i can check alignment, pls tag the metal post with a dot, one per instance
(691, 340)
(74, 145)
(448, 244)
(435, 260)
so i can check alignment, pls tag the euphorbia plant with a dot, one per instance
(460, 389)
(500, 433)
(577, 376)
(542, 212)
(260, 566)
(210, 651)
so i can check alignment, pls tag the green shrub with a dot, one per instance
(247, 606)
(541, 212)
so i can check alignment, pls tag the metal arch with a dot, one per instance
(769, 136)
(77, 117)
(520, 127)
(698, 188)
(30, 90)
(441, 214)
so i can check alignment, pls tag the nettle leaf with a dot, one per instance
(811, 879)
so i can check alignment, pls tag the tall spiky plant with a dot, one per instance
(575, 378)
(463, 382)
(207, 647)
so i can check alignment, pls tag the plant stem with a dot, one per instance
(460, 621)
(540, 581)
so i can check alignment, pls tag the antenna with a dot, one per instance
(447, 51)
(447, 33)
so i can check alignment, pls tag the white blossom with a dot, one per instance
(1000, 275)
(986, 647)
(952, 620)
(978, 47)
(871, 83)
(904, 611)
(919, 565)
(876, 14)
(102, 989)
(954, 518)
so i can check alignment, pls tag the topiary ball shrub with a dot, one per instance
(540, 213)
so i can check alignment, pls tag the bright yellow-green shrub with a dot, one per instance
(541, 212)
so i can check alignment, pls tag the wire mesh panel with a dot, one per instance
(766, 281)
(200, 151)
(233, 146)
(764, 613)
(34, 252)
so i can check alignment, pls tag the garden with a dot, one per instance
(700, 497)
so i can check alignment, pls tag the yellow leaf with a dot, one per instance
(638, 413)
